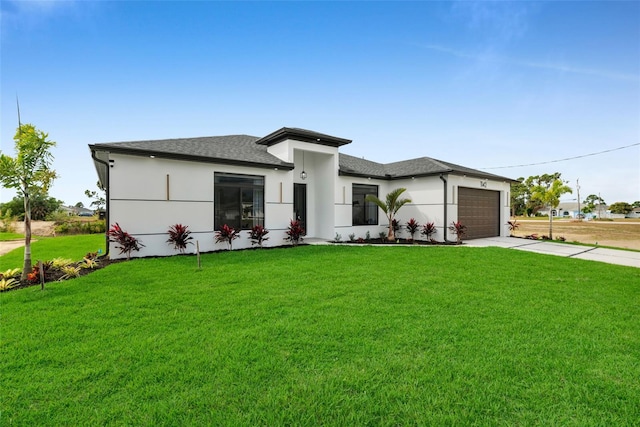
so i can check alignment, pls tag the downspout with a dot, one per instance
(444, 228)
(106, 213)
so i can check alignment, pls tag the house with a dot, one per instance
(243, 181)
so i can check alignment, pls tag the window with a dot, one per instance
(364, 213)
(238, 201)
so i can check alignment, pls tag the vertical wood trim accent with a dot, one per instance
(168, 187)
(280, 191)
(344, 195)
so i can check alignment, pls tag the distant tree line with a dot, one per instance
(527, 196)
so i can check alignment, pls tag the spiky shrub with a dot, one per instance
(123, 240)
(257, 234)
(412, 227)
(60, 263)
(7, 283)
(179, 237)
(12, 272)
(458, 229)
(88, 263)
(294, 232)
(226, 234)
(352, 237)
(69, 272)
(428, 230)
(513, 226)
(338, 237)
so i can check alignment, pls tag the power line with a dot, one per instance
(565, 159)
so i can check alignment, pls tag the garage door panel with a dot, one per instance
(479, 210)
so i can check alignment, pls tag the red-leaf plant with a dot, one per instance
(412, 227)
(123, 240)
(179, 236)
(458, 229)
(513, 226)
(428, 229)
(294, 232)
(227, 234)
(257, 235)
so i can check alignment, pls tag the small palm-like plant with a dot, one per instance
(257, 235)
(428, 230)
(123, 240)
(179, 236)
(513, 226)
(227, 234)
(294, 232)
(412, 227)
(7, 283)
(70, 272)
(458, 229)
(390, 207)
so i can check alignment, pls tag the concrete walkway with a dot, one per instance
(9, 245)
(610, 256)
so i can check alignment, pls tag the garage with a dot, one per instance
(479, 210)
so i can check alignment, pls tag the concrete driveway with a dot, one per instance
(610, 256)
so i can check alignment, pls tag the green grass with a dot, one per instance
(10, 236)
(47, 248)
(319, 335)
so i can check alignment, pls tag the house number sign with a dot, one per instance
(483, 184)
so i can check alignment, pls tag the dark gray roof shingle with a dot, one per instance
(422, 166)
(252, 151)
(233, 149)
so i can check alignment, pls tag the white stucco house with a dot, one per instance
(243, 180)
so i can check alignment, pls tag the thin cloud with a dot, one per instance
(532, 64)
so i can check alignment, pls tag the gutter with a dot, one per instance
(106, 209)
(445, 182)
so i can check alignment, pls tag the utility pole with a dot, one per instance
(578, 190)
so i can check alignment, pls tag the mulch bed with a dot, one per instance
(396, 242)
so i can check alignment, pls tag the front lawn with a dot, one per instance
(322, 335)
(48, 248)
(10, 236)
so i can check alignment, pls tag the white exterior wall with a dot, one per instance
(138, 202)
(427, 198)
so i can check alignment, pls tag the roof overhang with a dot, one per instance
(302, 135)
(188, 157)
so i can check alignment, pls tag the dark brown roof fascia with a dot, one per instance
(304, 136)
(191, 158)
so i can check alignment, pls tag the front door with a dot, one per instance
(300, 204)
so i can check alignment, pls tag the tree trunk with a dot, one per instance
(26, 268)
(550, 224)
(390, 234)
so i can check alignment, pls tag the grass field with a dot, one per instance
(47, 248)
(10, 236)
(328, 335)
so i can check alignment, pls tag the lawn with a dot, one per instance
(322, 335)
(10, 236)
(47, 248)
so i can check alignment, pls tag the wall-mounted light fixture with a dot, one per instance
(303, 174)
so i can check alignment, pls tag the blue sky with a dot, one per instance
(482, 84)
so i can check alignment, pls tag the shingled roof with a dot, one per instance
(246, 150)
(423, 166)
(229, 149)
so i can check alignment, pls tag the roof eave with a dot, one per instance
(302, 135)
(191, 158)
